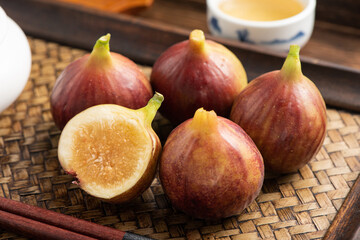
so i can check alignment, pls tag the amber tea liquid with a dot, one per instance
(261, 10)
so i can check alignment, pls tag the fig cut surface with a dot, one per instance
(111, 150)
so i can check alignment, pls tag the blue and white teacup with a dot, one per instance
(274, 35)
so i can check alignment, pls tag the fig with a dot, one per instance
(210, 168)
(285, 114)
(197, 73)
(111, 150)
(102, 77)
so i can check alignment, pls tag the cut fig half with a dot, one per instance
(112, 150)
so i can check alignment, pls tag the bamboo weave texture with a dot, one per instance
(301, 205)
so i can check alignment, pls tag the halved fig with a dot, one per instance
(112, 150)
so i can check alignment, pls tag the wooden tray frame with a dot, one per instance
(144, 41)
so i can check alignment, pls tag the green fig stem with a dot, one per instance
(291, 70)
(197, 41)
(151, 108)
(204, 121)
(101, 51)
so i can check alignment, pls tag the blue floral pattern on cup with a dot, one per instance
(281, 41)
(243, 36)
(215, 24)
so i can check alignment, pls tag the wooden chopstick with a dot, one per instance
(41, 223)
(35, 229)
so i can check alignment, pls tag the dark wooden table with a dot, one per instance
(336, 37)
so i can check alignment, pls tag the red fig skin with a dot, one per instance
(197, 73)
(285, 116)
(107, 77)
(211, 172)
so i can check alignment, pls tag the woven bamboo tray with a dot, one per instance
(295, 206)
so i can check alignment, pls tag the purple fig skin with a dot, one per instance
(204, 74)
(211, 172)
(286, 118)
(109, 79)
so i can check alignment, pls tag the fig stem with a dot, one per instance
(151, 108)
(205, 121)
(291, 70)
(103, 42)
(101, 51)
(197, 41)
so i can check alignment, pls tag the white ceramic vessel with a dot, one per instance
(274, 35)
(15, 60)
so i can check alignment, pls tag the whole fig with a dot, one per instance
(98, 78)
(197, 73)
(285, 114)
(210, 168)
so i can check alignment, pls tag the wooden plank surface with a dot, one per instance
(332, 41)
(346, 224)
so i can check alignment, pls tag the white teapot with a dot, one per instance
(15, 60)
